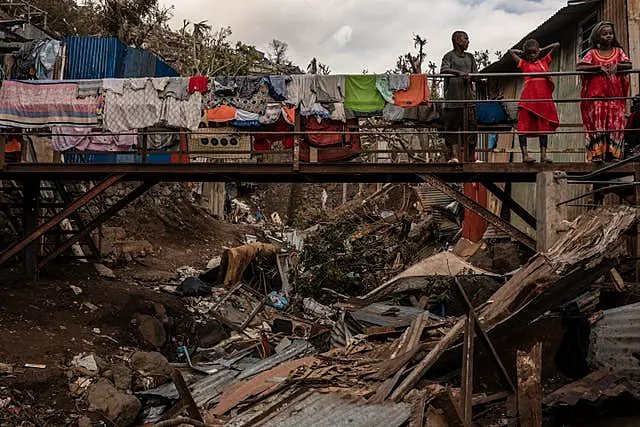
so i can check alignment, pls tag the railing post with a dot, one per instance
(296, 141)
(145, 145)
(3, 142)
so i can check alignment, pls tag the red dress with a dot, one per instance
(599, 115)
(535, 118)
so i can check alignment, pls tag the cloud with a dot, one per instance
(343, 35)
(350, 35)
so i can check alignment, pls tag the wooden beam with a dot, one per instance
(510, 203)
(59, 217)
(529, 366)
(483, 212)
(466, 391)
(101, 219)
(185, 396)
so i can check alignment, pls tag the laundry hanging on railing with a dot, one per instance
(45, 104)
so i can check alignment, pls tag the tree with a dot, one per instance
(412, 63)
(484, 58)
(277, 53)
(317, 67)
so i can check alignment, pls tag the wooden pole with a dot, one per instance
(530, 387)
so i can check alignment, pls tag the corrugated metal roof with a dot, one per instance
(94, 58)
(296, 349)
(337, 410)
(614, 338)
(547, 32)
(139, 63)
(164, 70)
(108, 57)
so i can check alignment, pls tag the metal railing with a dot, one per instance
(375, 140)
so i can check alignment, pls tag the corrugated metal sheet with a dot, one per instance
(616, 11)
(139, 63)
(336, 410)
(164, 70)
(430, 196)
(94, 58)
(108, 57)
(548, 31)
(614, 338)
(296, 349)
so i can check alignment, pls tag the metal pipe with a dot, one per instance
(599, 190)
(606, 168)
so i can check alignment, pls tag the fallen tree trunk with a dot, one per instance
(591, 248)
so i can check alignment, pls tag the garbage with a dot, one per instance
(104, 271)
(76, 290)
(6, 369)
(84, 361)
(35, 366)
(194, 287)
(277, 301)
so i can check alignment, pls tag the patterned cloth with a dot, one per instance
(599, 116)
(66, 138)
(118, 109)
(38, 105)
(257, 103)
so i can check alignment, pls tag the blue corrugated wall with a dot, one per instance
(105, 58)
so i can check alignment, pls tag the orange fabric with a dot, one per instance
(418, 92)
(290, 113)
(13, 145)
(223, 113)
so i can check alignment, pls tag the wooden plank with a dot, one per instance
(446, 402)
(185, 395)
(618, 281)
(466, 393)
(435, 418)
(529, 365)
(418, 405)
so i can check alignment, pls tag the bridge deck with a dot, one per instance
(306, 173)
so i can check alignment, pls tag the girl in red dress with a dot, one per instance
(600, 117)
(536, 119)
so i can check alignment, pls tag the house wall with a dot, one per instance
(633, 13)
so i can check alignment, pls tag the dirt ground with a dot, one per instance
(47, 323)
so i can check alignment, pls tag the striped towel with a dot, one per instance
(36, 105)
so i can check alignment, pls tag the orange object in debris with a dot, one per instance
(418, 92)
(289, 114)
(13, 145)
(223, 113)
(473, 226)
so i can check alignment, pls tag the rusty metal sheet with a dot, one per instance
(337, 410)
(263, 383)
(615, 338)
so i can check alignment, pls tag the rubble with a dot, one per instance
(119, 408)
(151, 331)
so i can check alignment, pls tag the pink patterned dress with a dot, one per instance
(602, 116)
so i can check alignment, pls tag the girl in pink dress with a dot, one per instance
(600, 117)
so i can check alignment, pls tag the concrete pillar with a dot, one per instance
(551, 189)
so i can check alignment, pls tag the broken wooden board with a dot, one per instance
(590, 249)
(529, 366)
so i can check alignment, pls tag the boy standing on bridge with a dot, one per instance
(457, 90)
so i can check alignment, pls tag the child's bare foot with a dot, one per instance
(546, 160)
(528, 160)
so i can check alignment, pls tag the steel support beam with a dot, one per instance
(481, 211)
(510, 203)
(101, 219)
(59, 217)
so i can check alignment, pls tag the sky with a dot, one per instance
(353, 35)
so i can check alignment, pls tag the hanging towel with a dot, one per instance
(384, 87)
(399, 81)
(329, 88)
(199, 84)
(418, 92)
(278, 87)
(361, 94)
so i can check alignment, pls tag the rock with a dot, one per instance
(6, 369)
(85, 422)
(161, 314)
(211, 333)
(214, 262)
(122, 377)
(119, 408)
(151, 331)
(151, 365)
(104, 271)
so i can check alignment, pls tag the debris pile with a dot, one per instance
(375, 323)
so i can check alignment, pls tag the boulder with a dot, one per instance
(119, 408)
(122, 377)
(151, 331)
(152, 365)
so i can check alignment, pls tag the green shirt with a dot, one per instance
(361, 94)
